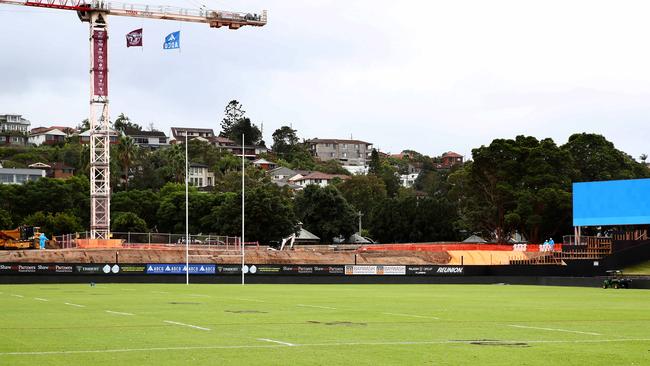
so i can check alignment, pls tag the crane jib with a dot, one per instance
(66, 5)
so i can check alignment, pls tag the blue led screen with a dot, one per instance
(616, 202)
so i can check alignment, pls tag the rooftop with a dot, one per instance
(337, 141)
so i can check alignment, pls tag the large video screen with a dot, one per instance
(616, 202)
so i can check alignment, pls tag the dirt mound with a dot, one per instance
(257, 256)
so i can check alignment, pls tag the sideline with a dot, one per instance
(189, 348)
(278, 342)
(413, 316)
(554, 329)
(186, 325)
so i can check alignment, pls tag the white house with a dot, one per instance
(321, 179)
(19, 176)
(200, 176)
(408, 180)
(47, 136)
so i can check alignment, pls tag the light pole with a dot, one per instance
(243, 153)
(187, 220)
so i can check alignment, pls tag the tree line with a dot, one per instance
(520, 185)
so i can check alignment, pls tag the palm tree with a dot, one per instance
(176, 162)
(126, 152)
(643, 158)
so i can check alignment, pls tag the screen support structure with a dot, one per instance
(100, 190)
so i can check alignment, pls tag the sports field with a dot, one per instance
(135, 324)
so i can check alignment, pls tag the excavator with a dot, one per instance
(24, 237)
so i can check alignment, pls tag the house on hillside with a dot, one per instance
(265, 164)
(20, 176)
(178, 134)
(449, 159)
(321, 179)
(148, 139)
(14, 130)
(347, 152)
(114, 137)
(46, 136)
(200, 176)
(408, 180)
(56, 170)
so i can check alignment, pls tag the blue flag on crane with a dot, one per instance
(172, 41)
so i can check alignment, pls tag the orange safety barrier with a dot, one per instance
(444, 247)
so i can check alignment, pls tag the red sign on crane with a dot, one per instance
(100, 59)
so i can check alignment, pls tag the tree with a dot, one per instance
(124, 124)
(175, 162)
(128, 222)
(5, 220)
(325, 212)
(269, 214)
(409, 219)
(363, 192)
(515, 185)
(142, 203)
(126, 152)
(284, 142)
(375, 164)
(233, 114)
(595, 158)
(54, 224)
(252, 134)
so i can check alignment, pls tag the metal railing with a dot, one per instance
(160, 240)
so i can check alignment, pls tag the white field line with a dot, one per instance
(316, 306)
(189, 348)
(128, 289)
(197, 295)
(20, 296)
(159, 292)
(240, 299)
(77, 305)
(278, 342)
(554, 329)
(412, 315)
(185, 325)
(40, 299)
(118, 313)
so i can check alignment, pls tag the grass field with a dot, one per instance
(134, 324)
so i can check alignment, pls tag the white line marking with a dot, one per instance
(118, 313)
(21, 296)
(316, 306)
(254, 300)
(197, 295)
(412, 316)
(186, 325)
(40, 299)
(77, 305)
(554, 330)
(159, 292)
(189, 348)
(278, 342)
(128, 289)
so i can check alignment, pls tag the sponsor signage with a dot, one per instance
(180, 269)
(376, 270)
(229, 269)
(133, 268)
(100, 59)
(434, 270)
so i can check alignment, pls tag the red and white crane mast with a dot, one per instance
(96, 13)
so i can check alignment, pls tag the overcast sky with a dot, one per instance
(432, 76)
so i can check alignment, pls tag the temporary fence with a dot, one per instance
(160, 240)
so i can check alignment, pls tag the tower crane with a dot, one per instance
(95, 13)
